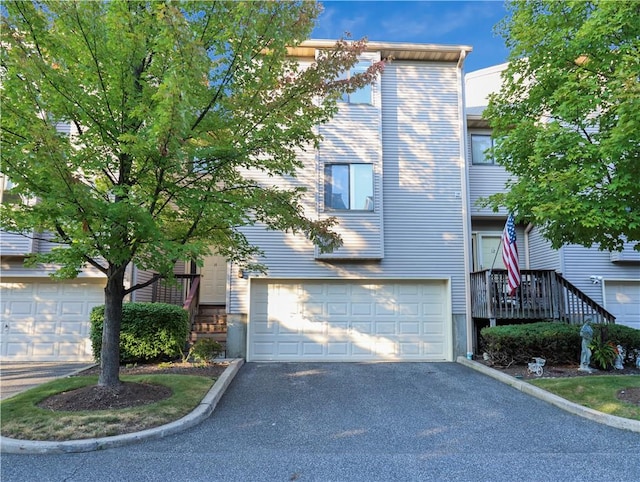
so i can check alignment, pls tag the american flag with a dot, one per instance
(510, 254)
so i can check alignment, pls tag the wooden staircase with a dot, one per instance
(209, 322)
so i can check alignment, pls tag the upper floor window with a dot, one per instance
(363, 94)
(348, 187)
(6, 196)
(479, 145)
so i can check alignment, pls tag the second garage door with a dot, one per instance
(293, 320)
(623, 301)
(47, 320)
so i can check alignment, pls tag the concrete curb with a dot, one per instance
(201, 412)
(574, 408)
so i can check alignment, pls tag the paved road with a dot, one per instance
(16, 377)
(362, 422)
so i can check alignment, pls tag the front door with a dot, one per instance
(213, 288)
(487, 253)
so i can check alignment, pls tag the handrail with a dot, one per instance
(193, 293)
(542, 294)
(601, 312)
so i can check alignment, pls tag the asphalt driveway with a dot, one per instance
(362, 422)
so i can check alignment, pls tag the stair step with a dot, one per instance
(211, 310)
(208, 328)
(219, 337)
(215, 319)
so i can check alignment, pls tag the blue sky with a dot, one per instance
(444, 22)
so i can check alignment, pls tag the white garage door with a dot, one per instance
(349, 321)
(46, 320)
(623, 301)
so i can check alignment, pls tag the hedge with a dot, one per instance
(556, 342)
(149, 331)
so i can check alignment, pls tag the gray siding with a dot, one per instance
(354, 136)
(579, 263)
(484, 180)
(12, 244)
(541, 255)
(421, 185)
(15, 268)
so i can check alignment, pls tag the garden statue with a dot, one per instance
(586, 332)
(619, 357)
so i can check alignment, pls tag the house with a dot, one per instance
(391, 168)
(609, 279)
(400, 166)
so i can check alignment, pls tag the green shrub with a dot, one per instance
(628, 338)
(205, 349)
(558, 343)
(149, 331)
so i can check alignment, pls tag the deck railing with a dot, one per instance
(176, 291)
(184, 290)
(542, 294)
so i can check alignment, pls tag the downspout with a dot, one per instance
(466, 218)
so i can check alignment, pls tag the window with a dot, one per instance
(6, 196)
(348, 187)
(479, 144)
(362, 95)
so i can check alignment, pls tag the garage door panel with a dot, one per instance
(362, 327)
(337, 348)
(361, 320)
(337, 309)
(19, 308)
(409, 327)
(623, 301)
(46, 320)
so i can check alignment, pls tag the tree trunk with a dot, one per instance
(110, 352)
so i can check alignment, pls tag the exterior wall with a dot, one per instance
(484, 180)
(12, 244)
(481, 83)
(421, 233)
(581, 263)
(15, 268)
(578, 264)
(541, 254)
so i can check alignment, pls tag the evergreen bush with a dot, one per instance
(556, 342)
(149, 331)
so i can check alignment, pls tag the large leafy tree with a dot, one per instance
(567, 120)
(173, 105)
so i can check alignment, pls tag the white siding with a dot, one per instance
(421, 187)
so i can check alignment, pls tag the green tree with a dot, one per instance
(174, 105)
(567, 118)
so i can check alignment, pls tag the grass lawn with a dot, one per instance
(596, 392)
(21, 418)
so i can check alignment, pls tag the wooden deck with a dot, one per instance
(542, 295)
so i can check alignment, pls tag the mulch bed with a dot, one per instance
(630, 395)
(128, 394)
